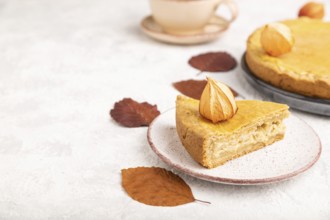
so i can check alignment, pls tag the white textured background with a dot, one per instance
(64, 63)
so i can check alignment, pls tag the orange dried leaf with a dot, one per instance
(194, 88)
(156, 186)
(130, 113)
(213, 62)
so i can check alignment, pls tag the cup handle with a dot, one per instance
(232, 8)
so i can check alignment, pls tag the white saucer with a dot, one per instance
(210, 32)
(296, 153)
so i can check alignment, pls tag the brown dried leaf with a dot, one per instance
(191, 88)
(194, 88)
(156, 186)
(130, 113)
(213, 62)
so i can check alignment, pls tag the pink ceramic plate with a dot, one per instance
(296, 153)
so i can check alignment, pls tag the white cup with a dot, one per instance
(183, 17)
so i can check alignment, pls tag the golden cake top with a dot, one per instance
(249, 113)
(310, 53)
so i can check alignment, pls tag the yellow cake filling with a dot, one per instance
(224, 148)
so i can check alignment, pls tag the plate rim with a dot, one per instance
(232, 181)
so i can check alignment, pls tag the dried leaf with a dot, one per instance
(194, 88)
(191, 88)
(130, 113)
(213, 62)
(156, 186)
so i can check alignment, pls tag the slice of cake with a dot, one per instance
(254, 125)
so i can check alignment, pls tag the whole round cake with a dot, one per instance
(305, 69)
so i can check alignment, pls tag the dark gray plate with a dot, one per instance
(300, 102)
